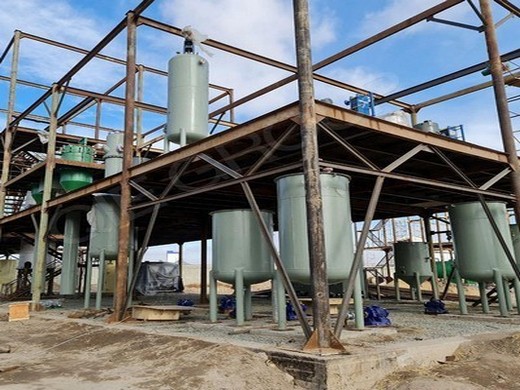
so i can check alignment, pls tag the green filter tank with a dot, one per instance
(477, 248)
(73, 178)
(412, 258)
(238, 244)
(337, 226)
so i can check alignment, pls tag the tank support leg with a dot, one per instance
(358, 304)
(483, 297)
(88, 282)
(499, 282)
(412, 292)
(248, 304)
(239, 296)
(396, 286)
(462, 296)
(507, 296)
(280, 302)
(517, 294)
(418, 286)
(212, 297)
(101, 274)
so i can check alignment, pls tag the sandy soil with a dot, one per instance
(50, 354)
(486, 362)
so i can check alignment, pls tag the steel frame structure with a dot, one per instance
(321, 126)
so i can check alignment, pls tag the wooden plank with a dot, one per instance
(159, 313)
(334, 303)
(18, 311)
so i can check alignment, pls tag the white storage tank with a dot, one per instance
(104, 226)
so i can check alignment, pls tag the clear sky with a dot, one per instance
(424, 52)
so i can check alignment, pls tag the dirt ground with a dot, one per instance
(59, 355)
(54, 353)
(486, 362)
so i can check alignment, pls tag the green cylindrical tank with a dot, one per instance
(104, 226)
(477, 248)
(73, 178)
(37, 190)
(114, 153)
(412, 258)
(449, 267)
(238, 244)
(515, 236)
(188, 91)
(337, 225)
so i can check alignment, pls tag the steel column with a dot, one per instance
(41, 244)
(9, 134)
(124, 223)
(311, 174)
(204, 263)
(506, 127)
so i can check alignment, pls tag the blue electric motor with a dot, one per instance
(376, 316)
(185, 302)
(434, 306)
(291, 313)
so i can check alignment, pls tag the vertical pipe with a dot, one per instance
(418, 286)
(431, 251)
(39, 266)
(212, 297)
(359, 320)
(499, 283)
(88, 282)
(69, 265)
(281, 303)
(462, 295)
(311, 172)
(499, 89)
(98, 119)
(204, 263)
(396, 287)
(139, 113)
(248, 304)
(517, 294)
(9, 132)
(387, 262)
(507, 296)
(101, 278)
(181, 259)
(483, 297)
(239, 296)
(124, 222)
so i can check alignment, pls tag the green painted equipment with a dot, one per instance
(411, 259)
(478, 251)
(515, 235)
(438, 267)
(37, 190)
(238, 244)
(104, 226)
(337, 225)
(73, 178)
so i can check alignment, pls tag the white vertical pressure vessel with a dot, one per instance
(188, 90)
(114, 153)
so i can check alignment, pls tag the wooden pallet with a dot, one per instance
(18, 311)
(159, 313)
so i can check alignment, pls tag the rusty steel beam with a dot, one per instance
(515, 10)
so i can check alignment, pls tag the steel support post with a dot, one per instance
(181, 258)
(139, 114)
(499, 89)
(41, 243)
(69, 267)
(9, 132)
(124, 223)
(358, 257)
(204, 263)
(322, 337)
(431, 251)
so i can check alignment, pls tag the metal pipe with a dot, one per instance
(499, 89)
(124, 222)
(139, 114)
(204, 263)
(9, 134)
(311, 174)
(39, 267)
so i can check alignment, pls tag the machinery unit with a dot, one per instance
(363, 104)
(515, 236)
(337, 224)
(188, 93)
(113, 153)
(73, 178)
(412, 264)
(241, 256)
(479, 254)
(428, 127)
(477, 248)
(37, 190)
(104, 226)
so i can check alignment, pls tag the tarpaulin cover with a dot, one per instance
(158, 277)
